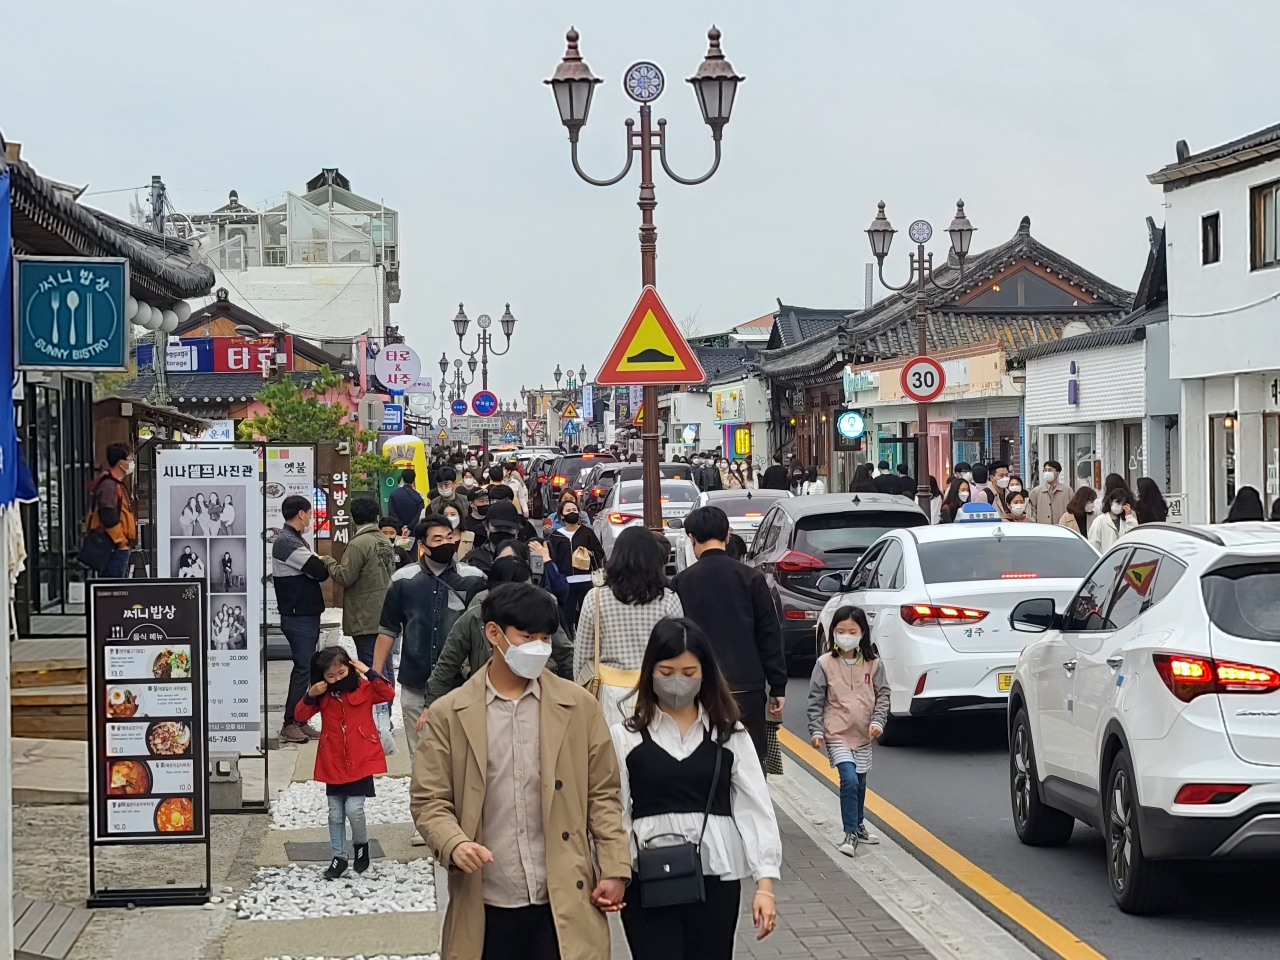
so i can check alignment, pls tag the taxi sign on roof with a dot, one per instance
(977, 513)
(650, 349)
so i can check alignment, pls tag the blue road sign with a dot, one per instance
(570, 428)
(484, 403)
(458, 408)
(70, 313)
(392, 418)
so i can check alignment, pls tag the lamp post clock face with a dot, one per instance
(643, 82)
(920, 231)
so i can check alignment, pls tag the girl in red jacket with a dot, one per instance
(343, 691)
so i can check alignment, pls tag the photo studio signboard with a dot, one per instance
(147, 733)
(291, 470)
(209, 527)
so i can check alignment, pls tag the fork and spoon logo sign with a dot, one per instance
(71, 313)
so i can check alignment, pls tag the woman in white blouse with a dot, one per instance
(667, 753)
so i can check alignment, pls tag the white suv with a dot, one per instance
(1148, 708)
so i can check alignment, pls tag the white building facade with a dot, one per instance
(1222, 234)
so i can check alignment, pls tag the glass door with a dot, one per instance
(1222, 467)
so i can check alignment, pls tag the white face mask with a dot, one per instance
(454, 521)
(1117, 509)
(1015, 488)
(446, 491)
(1050, 476)
(527, 659)
(1018, 509)
(1091, 506)
(846, 642)
(967, 476)
(130, 468)
(1002, 482)
(469, 481)
(963, 495)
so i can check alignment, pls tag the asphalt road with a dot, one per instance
(954, 782)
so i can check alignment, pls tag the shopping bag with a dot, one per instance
(382, 718)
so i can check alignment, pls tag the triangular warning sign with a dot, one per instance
(568, 413)
(1141, 576)
(442, 435)
(639, 417)
(650, 350)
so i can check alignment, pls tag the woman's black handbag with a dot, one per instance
(672, 875)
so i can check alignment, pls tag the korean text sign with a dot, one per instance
(70, 313)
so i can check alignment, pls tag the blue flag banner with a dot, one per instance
(8, 428)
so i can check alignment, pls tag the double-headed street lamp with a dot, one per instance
(880, 234)
(456, 386)
(484, 346)
(715, 85)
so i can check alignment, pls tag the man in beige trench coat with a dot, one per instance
(514, 774)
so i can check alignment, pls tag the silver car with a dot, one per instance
(745, 509)
(624, 507)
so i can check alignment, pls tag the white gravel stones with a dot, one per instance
(302, 805)
(298, 892)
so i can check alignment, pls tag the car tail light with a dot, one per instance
(793, 561)
(920, 684)
(1209, 792)
(596, 491)
(1187, 677)
(752, 513)
(1019, 575)
(800, 614)
(935, 614)
(622, 519)
(559, 480)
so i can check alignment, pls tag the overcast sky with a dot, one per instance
(1053, 110)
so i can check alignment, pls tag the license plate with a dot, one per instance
(1004, 681)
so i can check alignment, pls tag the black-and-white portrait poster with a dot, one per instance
(208, 499)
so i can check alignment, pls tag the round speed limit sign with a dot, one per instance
(923, 379)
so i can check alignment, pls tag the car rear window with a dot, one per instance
(668, 471)
(850, 532)
(744, 507)
(1006, 558)
(673, 491)
(572, 466)
(1241, 600)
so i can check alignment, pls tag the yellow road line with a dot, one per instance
(1013, 905)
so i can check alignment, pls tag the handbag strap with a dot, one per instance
(711, 796)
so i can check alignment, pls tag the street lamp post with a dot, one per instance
(880, 234)
(484, 341)
(715, 85)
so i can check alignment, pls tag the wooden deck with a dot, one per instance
(44, 930)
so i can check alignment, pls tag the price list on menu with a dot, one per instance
(148, 733)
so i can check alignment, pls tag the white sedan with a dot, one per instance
(938, 600)
(745, 509)
(624, 507)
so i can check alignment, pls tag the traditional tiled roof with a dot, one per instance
(1246, 150)
(209, 387)
(887, 328)
(794, 325)
(717, 361)
(48, 221)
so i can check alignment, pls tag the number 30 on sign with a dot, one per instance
(923, 379)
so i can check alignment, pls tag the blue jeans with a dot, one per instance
(303, 634)
(117, 566)
(853, 796)
(350, 808)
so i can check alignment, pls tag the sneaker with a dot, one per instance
(416, 840)
(311, 732)
(293, 733)
(849, 847)
(361, 863)
(336, 869)
(866, 836)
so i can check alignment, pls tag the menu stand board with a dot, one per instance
(148, 730)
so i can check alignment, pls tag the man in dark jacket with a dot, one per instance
(501, 522)
(906, 482)
(405, 502)
(731, 602)
(297, 573)
(775, 478)
(885, 481)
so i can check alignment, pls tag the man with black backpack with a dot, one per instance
(111, 517)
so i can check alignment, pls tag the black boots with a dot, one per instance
(362, 858)
(337, 868)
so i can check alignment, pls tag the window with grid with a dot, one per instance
(1210, 240)
(1264, 208)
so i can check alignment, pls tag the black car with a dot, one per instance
(801, 539)
(564, 473)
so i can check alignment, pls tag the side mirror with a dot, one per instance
(1033, 616)
(675, 523)
(830, 583)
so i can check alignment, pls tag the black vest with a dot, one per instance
(662, 784)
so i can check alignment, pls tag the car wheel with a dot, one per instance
(1037, 824)
(1138, 885)
(898, 731)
